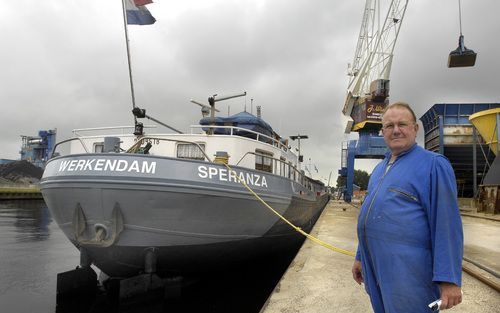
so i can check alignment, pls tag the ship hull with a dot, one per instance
(195, 216)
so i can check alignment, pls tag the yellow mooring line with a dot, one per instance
(311, 237)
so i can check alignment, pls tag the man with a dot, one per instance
(409, 228)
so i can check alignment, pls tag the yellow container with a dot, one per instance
(221, 157)
(486, 123)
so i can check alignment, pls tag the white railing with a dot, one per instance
(137, 146)
(279, 167)
(232, 129)
(53, 153)
(121, 129)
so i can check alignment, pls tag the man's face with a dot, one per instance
(399, 129)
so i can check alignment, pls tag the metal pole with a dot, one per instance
(157, 121)
(474, 161)
(299, 146)
(441, 135)
(128, 54)
(299, 137)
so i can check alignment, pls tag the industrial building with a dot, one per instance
(37, 149)
(448, 131)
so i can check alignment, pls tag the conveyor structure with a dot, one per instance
(37, 149)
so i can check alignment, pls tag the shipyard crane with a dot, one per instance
(368, 88)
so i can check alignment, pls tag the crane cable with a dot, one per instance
(460, 16)
(298, 229)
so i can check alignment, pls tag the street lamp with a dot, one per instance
(298, 137)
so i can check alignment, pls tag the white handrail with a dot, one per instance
(232, 128)
(122, 128)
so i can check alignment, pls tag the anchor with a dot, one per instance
(82, 281)
(105, 234)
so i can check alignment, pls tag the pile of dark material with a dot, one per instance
(20, 172)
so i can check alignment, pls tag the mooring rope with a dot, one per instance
(298, 229)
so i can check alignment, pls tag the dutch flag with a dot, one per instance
(137, 14)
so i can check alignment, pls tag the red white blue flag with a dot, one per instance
(137, 14)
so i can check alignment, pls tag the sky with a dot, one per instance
(64, 65)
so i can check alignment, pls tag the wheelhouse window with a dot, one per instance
(98, 147)
(263, 161)
(190, 151)
(282, 167)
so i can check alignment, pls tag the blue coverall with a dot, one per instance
(410, 232)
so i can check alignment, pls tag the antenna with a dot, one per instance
(221, 98)
(201, 104)
(211, 102)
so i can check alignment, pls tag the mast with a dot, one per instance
(131, 80)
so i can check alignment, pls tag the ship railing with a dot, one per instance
(123, 130)
(53, 153)
(233, 129)
(137, 147)
(284, 169)
(78, 133)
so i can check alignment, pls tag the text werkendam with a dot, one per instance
(143, 167)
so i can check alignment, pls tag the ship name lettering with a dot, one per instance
(108, 166)
(224, 174)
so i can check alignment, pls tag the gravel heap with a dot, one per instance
(20, 172)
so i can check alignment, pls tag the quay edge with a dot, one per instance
(20, 193)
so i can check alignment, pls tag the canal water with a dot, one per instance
(33, 250)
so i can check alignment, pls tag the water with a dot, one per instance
(34, 250)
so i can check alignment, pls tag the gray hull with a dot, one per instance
(195, 215)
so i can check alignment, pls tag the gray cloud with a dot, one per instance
(64, 64)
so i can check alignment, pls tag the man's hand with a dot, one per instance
(356, 272)
(451, 295)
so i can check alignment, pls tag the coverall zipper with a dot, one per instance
(370, 207)
(373, 199)
(406, 194)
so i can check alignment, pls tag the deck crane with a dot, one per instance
(368, 88)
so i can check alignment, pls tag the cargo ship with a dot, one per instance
(176, 204)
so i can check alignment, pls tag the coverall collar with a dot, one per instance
(389, 154)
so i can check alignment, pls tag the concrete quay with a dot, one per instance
(20, 193)
(320, 280)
